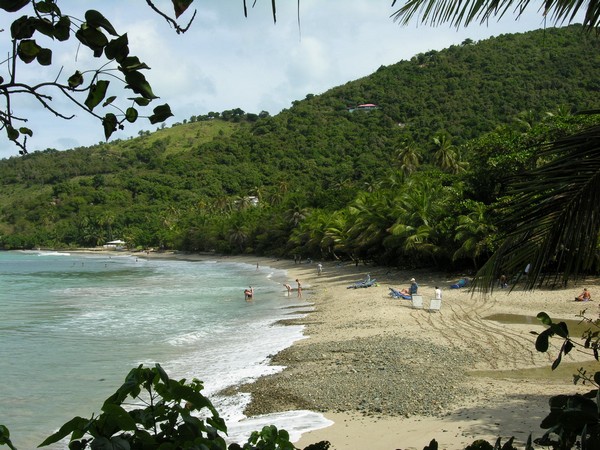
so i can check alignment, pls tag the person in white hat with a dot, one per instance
(414, 287)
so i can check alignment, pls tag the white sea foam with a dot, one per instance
(40, 253)
(84, 321)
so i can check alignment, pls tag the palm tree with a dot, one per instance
(474, 233)
(553, 223)
(525, 120)
(409, 158)
(445, 155)
(296, 214)
(418, 209)
(336, 235)
(238, 236)
(370, 215)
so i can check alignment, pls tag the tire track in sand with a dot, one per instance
(495, 345)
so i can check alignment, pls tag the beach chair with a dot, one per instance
(435, 304)
(417, 301)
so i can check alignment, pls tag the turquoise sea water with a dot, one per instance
(73, 325)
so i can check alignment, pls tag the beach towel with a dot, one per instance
(395, 293)
(460, 283)
(363, 284)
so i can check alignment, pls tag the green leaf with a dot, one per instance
(13, 5)
(557, 361)
(47, 7)
(138, 84)
(28, 50)
(96, 94)
(131, 115)
(44, 26)
(568, 347)
(97, 20)
(4, 434)
(542, 342)
(141, 101)
(118, 443)
(117, 49)
(44, 57)
(132, 63)
(185, 392)
(560, 329)
(181, 6)
(109, 122)
(13, 134)
(62, 29)
(544, 318)
(163, 375)
(27, 131)
(119, 416)
(75, 80)
(75, 424)
(109, 100)
(22, 28)
(92, 38)
(161, 113)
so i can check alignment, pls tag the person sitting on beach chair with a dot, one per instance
(414, 287)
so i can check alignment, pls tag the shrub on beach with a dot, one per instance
(152, 411)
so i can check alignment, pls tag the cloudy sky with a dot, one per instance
(226, 61)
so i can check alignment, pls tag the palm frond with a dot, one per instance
(554, 219)
(436, 12)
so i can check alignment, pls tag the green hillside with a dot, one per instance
(324, 178)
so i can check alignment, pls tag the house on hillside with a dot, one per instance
(363, 107)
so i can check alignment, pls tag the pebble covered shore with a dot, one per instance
(372, 375)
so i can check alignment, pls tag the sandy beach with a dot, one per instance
(393, 377)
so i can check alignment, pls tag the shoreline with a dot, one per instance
(474, 371)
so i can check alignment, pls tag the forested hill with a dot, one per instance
(470, 89)
(191, 186)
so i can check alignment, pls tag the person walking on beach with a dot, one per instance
(299, 288)
(319, 268)
(438, 293)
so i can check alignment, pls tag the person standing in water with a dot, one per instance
(299, 288)
(289, 289)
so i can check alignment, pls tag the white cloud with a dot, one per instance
(227, 61)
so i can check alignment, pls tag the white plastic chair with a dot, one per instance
(435, 304)
(417, 301)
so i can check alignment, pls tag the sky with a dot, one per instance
(227, 61)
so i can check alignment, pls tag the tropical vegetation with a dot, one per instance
(475, 157)
(422, 180)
